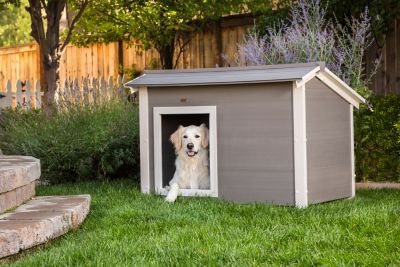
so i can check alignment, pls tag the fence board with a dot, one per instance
(387, 79)
(19, 62)
(390, 62)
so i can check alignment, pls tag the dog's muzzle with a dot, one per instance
(190, 152)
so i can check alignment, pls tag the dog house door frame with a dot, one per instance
(158, 173)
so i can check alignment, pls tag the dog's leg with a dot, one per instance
(173, 193)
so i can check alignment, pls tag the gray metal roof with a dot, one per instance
(234, 75)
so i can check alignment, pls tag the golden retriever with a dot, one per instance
(191, 148)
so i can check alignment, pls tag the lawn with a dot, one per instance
(127, 228)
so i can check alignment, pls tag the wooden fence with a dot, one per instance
(19, 63)
(73, 93)
(23, 94)
(203, 50)
(387, 79)
(91, 91)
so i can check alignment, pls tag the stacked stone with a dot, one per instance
(17, 180)
(38, 220)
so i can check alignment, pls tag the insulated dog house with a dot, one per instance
(280, 134)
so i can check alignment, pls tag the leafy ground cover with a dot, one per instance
(127, 228)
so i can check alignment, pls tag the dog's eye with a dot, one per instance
(197, 136)
(185, 136)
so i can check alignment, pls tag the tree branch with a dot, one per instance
(43, 4)
(116, 19)
(181, 48)
(37, 27)
(74, 21)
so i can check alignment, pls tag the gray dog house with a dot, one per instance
(279, 134)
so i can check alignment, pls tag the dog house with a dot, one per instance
(280, 134)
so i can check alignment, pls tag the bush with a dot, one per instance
(100, 142)
(377, 140)
(311, 35)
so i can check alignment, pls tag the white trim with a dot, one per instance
(342, 83)
(189, 192)
(306, 78)
(157, 150)
(144, 140)
(334, 83)
(212, 111)
(353, 174)
(300, 146)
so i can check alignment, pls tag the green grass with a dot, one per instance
(127, 228)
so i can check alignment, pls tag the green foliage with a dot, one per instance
(15, 25)
(377, 140)
(270, 15)
(130, 73)
(382, 12)
(156, 24)
(127, 228)
(99, 142)
(5, 3)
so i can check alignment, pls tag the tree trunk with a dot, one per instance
(48, 37)
(51, 81)
(167, 55)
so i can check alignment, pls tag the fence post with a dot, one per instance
(38, 95)
(9, 94)
(104, 89)
(110, 87)
(19, 95)
(95, 92)
(85, 88)
(77, 95)
(29, 98)
(68, 92)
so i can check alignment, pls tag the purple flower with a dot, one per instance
(311, 36)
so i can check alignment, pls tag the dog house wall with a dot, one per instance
(328, 120)
(255, 137)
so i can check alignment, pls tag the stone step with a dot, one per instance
(17, 180)
(40, 220)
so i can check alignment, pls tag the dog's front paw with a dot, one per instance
(170, 198)
(173, 193)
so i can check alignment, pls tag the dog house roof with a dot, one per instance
(300, 73)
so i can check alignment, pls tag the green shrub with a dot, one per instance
(100, 142)
(377, 140)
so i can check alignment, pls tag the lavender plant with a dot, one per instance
(311, 36)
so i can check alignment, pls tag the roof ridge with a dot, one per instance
(239, 68)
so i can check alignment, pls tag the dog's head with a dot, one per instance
(191, 139)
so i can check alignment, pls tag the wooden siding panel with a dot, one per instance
(255, 137)
(328, 144)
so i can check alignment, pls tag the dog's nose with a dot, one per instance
(190, 146)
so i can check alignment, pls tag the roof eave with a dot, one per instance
(340, 87)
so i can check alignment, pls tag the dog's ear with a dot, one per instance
(204, 136)
(176, 138)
